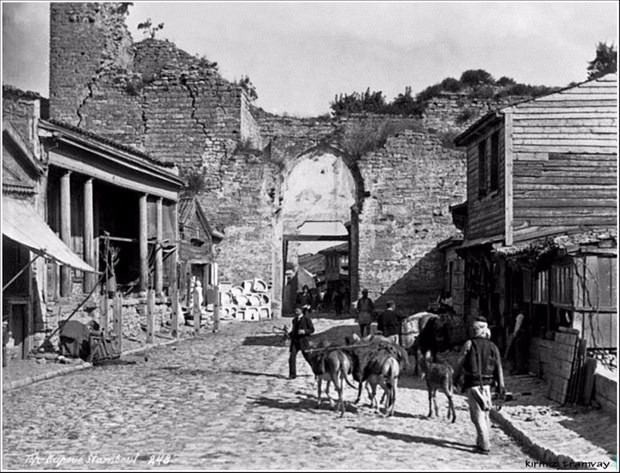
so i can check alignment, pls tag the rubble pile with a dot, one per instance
(248, 302)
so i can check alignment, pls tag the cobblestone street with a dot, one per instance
(223, 401)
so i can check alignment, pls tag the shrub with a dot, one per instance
(465, 115)
(450, 84)
(505, 81)
(476, 77)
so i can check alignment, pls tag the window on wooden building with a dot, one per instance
(541, 287)
(596, 282)
(562, 285)
(495, 161)
(482, 168)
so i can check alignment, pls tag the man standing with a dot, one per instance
(301, 330)
(389, 323)
(481, 366)
(516, 349)
(365, 309)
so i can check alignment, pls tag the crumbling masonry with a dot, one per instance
(177, 108)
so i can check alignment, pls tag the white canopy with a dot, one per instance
(21, 223)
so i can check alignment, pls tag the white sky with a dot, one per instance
(300, 55)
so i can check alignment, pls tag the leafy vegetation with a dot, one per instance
(473, 83)
(605, 62)
(360, 138)
(246, 84)
(148, 28)
(195, 181)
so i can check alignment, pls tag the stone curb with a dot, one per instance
(537, 450)
(71, 369)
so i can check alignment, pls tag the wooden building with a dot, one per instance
(196, 240)
(101, 194)
(540, 218)
(27, 241)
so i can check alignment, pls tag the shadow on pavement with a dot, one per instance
(417, 439)
(180, 371)
(265, 340)
(254, 373)
(307, 404)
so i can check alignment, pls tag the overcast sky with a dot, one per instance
(300, 55)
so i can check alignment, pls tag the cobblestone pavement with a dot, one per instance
(222, 401)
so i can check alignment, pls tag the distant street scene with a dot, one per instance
(309, 236)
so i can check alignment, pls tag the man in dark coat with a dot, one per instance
(302, 328)
(365, 311)
(481, 367)
(389, 323)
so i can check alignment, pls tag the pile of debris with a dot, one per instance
(248, 302)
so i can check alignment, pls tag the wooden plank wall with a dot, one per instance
(486, 216)
(565, 159)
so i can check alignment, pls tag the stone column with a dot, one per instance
(65, 229)
(89, 233)
(159, 252)
(143, 244)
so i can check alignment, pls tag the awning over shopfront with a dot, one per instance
(21, 223)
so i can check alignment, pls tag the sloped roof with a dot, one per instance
(497, 114)
(341, 248)
(566, 241)
(315, 263)
(106, 141)
(190, 206)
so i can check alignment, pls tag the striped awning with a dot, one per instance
(21, 223)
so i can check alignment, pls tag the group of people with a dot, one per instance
(478, 370)
(336, 299)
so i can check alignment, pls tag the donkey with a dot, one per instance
(438, 376)
(331, 365)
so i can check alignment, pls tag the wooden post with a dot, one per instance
(103, 307)
(216, 310)
(89, 233)
(196, 310)
(150, 316)
(159, 258)
(65, 229)
(117, 310)
(143, 244)
(174, 296)
(174, 273)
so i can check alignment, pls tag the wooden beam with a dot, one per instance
(159, 262)
(143, 244)
(65, 230)
(293, 237)
(89, 233)
(119, 177)
(508, 177)
(150, 316)
(174, 264)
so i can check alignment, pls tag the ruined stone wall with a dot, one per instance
(454, 112)
(244, 207)
(178, 108)
(86, 40)
(411, 182)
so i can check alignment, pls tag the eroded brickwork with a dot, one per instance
(178, 108)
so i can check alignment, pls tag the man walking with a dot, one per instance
(301, 330)
(389, 323)
(365, 309)
(481, 366)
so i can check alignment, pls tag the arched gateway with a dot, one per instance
(321, 198)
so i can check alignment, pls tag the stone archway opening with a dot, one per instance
(318, 221)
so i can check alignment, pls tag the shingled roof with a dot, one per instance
(115, 144)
